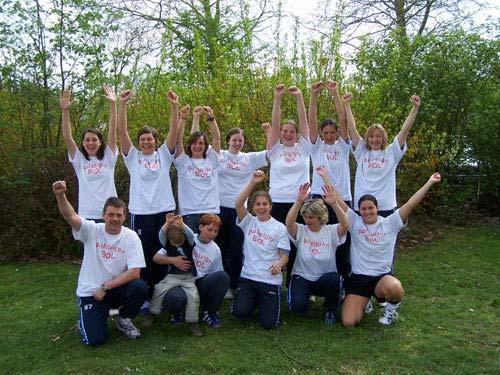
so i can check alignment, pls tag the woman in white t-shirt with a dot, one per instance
(373, 238)
(150, 196)
(377, 161)
(315, 271)
(236, 168)
(289, 159)
(265, 253)
(94, 162)
(331, 151)
(197, 166)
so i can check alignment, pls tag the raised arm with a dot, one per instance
(65, 208)
(333, 199)
(291, 217)
(171, 139)
(408, 207)
(274, 135)
(410, 120)
(333, 89)
(65, 102)
(351, 124)
(111, 98)
(214, 128)
(257, 177)
(125, 141)
(183, 115)
(321, 170)
(313, 111)
(197, 112)
(301, 111)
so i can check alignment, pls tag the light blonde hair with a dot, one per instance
(373, 128)
(316, 208)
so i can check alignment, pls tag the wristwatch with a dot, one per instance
(104, 288)
(210, 118)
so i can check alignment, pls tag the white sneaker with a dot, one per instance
(389, 314)
(113, 312)
(126, 326)
(369, 307)
(229, 294)
(312, 298)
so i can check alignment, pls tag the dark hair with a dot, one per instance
(328, 121)
(146, 130)
(102, 148)
(368, 197)
(114, 202)
(232, 132)
(192, 139)
(261, 193)
(208, 219)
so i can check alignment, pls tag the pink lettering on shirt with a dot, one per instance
(332, 156)
(203, 172)
(371, 237)
(376, 162)
(259, 237)
(93, 168)
(108, 251)
(201, 261)
(290, 156)
(316, 247)
(151, 165)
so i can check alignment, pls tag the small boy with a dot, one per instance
(178, 241)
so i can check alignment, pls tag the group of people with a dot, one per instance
(185, 259)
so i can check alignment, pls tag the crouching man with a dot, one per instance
(109, 276)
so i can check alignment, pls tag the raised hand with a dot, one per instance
(125, 96)
(415, 100)
(184, 112)
(347, 97)
(279, 90)
(109, 94)
(303, 192)
(294, 90)
(332, 86)
(321, 170)
(178, 221)
(172, 97)
(208, 111)
(266, 127)
(169, 218)
(330, 195)
(258, 176)
(435, 178)
(59, 187)
(197, 111)
(316, 87)
(65, 100)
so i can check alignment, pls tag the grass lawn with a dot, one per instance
(449, 324)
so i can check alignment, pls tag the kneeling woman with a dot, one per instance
(265, 251)
(373, 240)
(315, 271)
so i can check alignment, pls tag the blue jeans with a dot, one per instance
(94, 314)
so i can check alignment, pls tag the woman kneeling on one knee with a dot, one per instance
(315, 271)
(373, 240)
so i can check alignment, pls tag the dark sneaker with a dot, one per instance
(212, 319)
(195, 329)
(126, 326)
(145, 308)
(330, 318)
